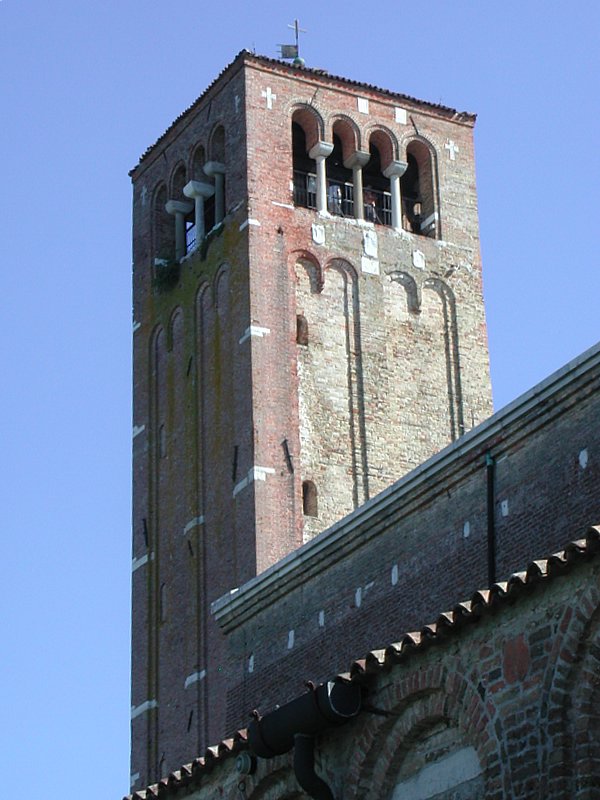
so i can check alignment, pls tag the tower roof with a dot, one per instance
(246, 57)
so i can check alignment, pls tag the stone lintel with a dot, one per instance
(360, 158)
(320, 150)
(214, 168)
(195, 189)
(395, 168)
(178, 207)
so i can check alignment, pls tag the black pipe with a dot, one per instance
(296, 724)
(331, 703)
(304, 767)
(490, 469)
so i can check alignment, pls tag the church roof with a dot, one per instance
(248, 57)
(440, 631)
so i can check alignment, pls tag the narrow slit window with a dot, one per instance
(301, 330)
(163, 602)
(309, 499)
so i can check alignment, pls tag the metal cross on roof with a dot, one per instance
(292, 50)
(297, 29)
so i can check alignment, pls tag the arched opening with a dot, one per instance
(301, 330)
(305, 170)
(198, 174)
(340, 195)
(178, 181)
(216, 206)
(217, 145)
(417, 186)
(198, 162)
(162, 225)
(307, 130)
(376, 195)
(310, 506)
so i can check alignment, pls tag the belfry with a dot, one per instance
(308, 328)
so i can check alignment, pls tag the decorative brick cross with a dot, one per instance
(452, 148)
(269, 96)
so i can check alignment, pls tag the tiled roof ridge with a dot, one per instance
(321, 73)
(375, 661)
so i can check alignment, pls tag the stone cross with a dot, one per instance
(269, 97)
(452, 148)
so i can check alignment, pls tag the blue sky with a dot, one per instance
(86, 87)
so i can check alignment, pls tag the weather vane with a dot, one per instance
(292, 51)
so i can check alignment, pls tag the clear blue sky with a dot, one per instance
(85, 88)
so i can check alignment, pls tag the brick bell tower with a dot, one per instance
(308, 327)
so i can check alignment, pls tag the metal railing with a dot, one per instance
(340, 198)
(378, 206)
(190, 237)
(305, 189)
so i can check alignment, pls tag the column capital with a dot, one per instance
(360, 158)
(195, 189)
(214, 168)
(320, 150)
(178, 207)
(395, 168)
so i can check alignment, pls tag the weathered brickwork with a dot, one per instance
(192, 410)
(416, 547)
(232, 416)
(505, 707)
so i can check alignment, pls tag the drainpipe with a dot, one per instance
(296, 724)
(490, 469)
(304, 768)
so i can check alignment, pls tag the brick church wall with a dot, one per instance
(505, 706)
(421, 545)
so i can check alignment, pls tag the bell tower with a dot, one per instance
(308, 327)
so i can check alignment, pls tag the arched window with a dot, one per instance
(309, 499)
(178, 181)
(217, 145)
(339, 182)
(305, 170)
(301, 330)
(376, 186)
(198, 162)
(376, 192)
(215, 169)
(306, 132)
(417, 186)
(206, 212)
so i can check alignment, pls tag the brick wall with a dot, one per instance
(421, 545)
(193, 418)
(505, 707)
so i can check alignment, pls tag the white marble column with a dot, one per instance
(356, 162)
(319, 153)
(394, 172)
(179, 209)
(217, 170)
(198, 191)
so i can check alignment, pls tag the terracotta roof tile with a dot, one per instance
(410, 644)
(245, 55)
